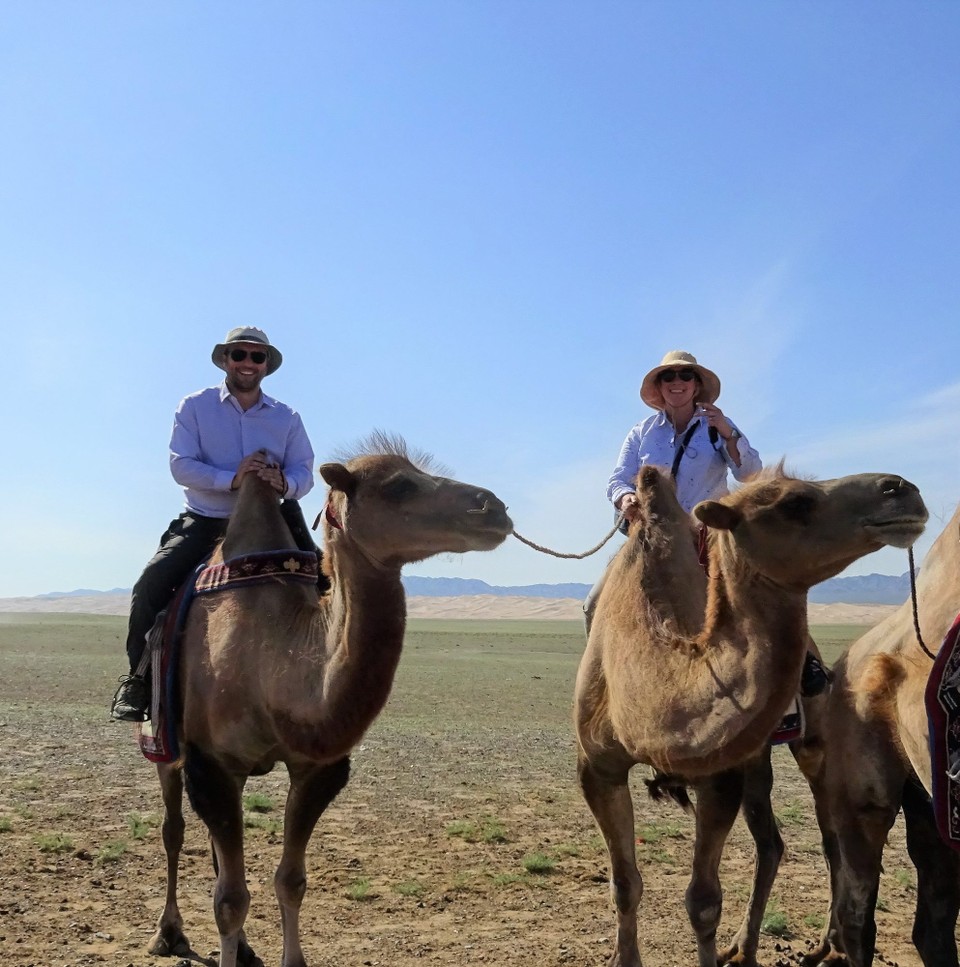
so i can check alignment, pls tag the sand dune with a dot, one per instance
(465, 606)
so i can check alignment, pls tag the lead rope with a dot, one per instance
(577, 557)
(913, 599)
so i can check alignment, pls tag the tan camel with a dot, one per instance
(270, 675)
(691, 674)
(876, 719)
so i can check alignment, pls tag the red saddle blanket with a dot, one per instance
(942, 699)
(157, 738)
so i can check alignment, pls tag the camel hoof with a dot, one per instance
(246, 957)
(169, 943)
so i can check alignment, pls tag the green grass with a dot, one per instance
(140, 826)
(5, 825)
(112, 852)
(774, 920)
(361, 889)
(258, 802)
(832, 640)
(539, 863)
(54, 843)
(793, 813)
(409, 888)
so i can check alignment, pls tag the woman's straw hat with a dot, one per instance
(678, 359)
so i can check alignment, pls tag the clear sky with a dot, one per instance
(476, 224)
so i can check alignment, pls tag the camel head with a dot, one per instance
(389, 504)
(798, 533)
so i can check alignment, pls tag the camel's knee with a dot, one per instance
(704, 904)
(627, 891)
(290, 885)
(171, 833)
(230, 907)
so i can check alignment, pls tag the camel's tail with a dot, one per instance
(664, 786)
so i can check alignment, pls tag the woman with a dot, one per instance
(691, 435)
(688, 433)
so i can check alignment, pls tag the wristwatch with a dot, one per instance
(735, 434)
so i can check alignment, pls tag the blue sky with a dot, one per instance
(477, 224)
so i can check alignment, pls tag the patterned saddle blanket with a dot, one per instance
(157, 738)
(942, 699)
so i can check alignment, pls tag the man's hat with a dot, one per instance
(247, 334)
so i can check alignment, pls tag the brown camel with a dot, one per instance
(691, 674)
(875, 717)
(268, 674)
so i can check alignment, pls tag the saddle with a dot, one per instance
(942, 699)
(157, 737)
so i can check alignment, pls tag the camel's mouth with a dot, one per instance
(897, 531)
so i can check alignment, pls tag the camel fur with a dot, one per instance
(691, 673)
(271, 674)
(876, 717)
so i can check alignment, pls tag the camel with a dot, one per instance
(691, 673)
(271, 674)
(875, 717)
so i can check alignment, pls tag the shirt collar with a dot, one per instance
(264, 400)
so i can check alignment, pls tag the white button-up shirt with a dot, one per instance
(212, 433)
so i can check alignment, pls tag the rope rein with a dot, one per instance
(577, 557)
(913, 600)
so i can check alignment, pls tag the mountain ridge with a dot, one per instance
(858, 589)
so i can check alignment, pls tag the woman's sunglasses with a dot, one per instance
(239, 355)
(669, 375)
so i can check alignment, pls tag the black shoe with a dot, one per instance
(132, 701)
(814, 679)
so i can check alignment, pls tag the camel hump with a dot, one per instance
(875, 692)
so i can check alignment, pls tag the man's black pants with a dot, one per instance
(186, 543)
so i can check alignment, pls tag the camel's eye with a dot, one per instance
(799, 507)
(398, 487)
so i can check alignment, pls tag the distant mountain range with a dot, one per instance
(865, 589)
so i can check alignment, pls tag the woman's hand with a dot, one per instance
(629, 506)
(717, 420)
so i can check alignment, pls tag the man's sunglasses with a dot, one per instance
(669, 375)
(239, 355)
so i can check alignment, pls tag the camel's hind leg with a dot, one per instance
(311, 791)
(608, 796)
(862, 835)
(170, 940)
(215, 795)
(758, 814)
(718, 802)
(938, 882)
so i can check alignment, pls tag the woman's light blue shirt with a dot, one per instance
(702, 474)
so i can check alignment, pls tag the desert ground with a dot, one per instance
(461, 838)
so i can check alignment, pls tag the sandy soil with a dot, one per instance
(450, 846)
(465, 606)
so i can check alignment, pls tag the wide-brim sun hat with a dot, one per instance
(709, 388)
(250, 335)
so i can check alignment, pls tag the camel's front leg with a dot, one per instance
(718, 802)
(608, 796)
(215, 795)
(312, 789)
(758, 813)
(170, 940)
(938, 882)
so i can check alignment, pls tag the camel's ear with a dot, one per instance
(339, 478)
(717, 515)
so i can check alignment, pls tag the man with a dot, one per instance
(220, 434)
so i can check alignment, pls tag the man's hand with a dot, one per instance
(255, 462)
(629, 506)
(274, 476)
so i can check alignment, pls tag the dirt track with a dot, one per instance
(394, 878)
